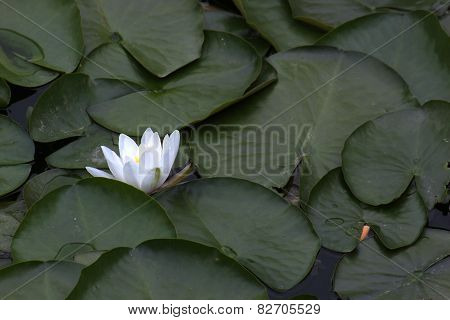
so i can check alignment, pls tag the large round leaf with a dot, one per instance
(402, 40)
(61, 110)
(338, 217)
(228, 66)
(52, 24)
(396, 148)
(322, 95)
(97, 213)
(247, 222)
(16, 149)
(38, 186)
(143, 29)
(274, 21)
(85, 151)
(39, 280)
(167, 269)
(420, 271)
(332, 13)
(5, 93)
(221, 20)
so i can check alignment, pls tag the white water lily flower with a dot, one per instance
(146, 166)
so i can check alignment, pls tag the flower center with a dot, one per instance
(137, 159)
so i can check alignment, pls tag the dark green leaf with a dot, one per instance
(396, 148)
(97, 213)
(418, 272)
(248, 223)
(11, 215)
(338, 217)
(167, 269)
(5, 94)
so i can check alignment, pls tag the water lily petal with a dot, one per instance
(131, 174)
(149, 183)
(114, 163)
(147, 137)
(166, 160)
(174, 146)
(99, 173)
(128, 148)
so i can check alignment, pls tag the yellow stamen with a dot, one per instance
(137, 159)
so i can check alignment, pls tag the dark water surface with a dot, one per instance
(318, 284)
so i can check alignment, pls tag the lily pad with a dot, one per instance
(228, 66)
(11, 215)
(167, 269)
(5, 93)
(424, 137)
(16, 150)
(217, 212)
(338, 217)
(39, 280)
(224, 21)
(402, 40)
(98, 213)
(61, 110)
(274, 22)
(85, 151)
(146, 38)
(52, 24)
(328, 14)
(420, 271)
(322, 95)
(37, 187)
(17, 54)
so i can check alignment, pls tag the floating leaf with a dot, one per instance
(5, 93)
(86, 151)
(54, 25)
(11, 215)
(338, 217)
(167, 269)
(37, 187)
(146, 38)
(61, 110)
(274, 21)
(224, 21)
(328, 14)
(396, 148)
(402, 40)
(16, 149)
(39, 280)
(228, 66)
(418, 272)
(217, 212)
(322, 95)
(98, 213)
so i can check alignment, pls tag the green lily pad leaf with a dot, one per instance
(5, 93)
(54, 25)
(39, 280)
(322, 95)
(61, 110)
(71, 216)
(11, 215)
(228, 66)
(338, 217)
(401, 40)
(224, 21)
(146, 38)
(217, 212)
(273, 20)
(167, 269)
(328, 14)
(16, 149)
(37, 187)
(417, 272)
(85, 151)
(396, 148)
(17, 54)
